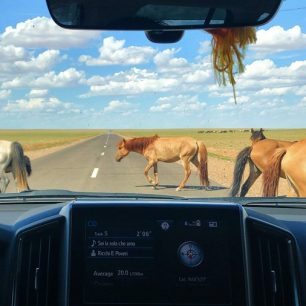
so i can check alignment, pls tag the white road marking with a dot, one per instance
(94, 172)
(102, 154)
(107, 139)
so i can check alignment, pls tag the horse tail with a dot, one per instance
(241, 160)
(272, 173)
(19, 167)
(28, 165)
(203, 164)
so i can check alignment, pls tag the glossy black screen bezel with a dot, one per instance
(230, 214)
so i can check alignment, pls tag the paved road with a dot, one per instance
(90, 166)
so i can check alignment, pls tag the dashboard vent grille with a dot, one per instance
(37, 266)
(273, 266)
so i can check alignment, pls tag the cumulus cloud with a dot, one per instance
(38, 93)
(132, 82)
(42, 62)
(10, 53)
(42, 32)
(266, 78)
(280, 91)
(137, 81)
(122, 107)
(277, 39)
(4, 94)
(67, 78)
(179, 103)
(166, 62)
(114, 52)
(47, 105)
(205, 47)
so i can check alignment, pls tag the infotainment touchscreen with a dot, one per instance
(156, 256)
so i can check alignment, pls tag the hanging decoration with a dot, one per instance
(228, 50)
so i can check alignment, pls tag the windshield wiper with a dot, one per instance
(61, 195)
(281, 201)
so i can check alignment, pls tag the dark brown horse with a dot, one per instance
(258, 156)
(289, 163)
(168, 150)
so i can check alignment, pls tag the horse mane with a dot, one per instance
(139, 144)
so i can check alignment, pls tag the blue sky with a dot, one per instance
(56, 78)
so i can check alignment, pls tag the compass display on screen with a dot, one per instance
(190, 253)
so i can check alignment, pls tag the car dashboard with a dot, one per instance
(151, 252)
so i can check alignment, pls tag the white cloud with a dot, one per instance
(179, 103)
(42, 32)
(44, 61)
(122, 107)
(114, 52)
(4, 94)
(37, 93)
(280, 91)
(205, 47)
(193, 78)
(10, 53)
(265, 78)
(47, 105)
(67, 78)
(166, 62)
(277, 39)
(132, 82)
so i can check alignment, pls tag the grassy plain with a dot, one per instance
(42, 139)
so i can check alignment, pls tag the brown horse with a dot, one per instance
(289, 163)
(168, 150)
(258, 156)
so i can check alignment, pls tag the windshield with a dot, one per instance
(102, 111)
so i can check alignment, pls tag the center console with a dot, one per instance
(153, 254)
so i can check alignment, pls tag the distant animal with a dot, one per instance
(289, 163)
(169, 150)
(258, 156)
(12, 159)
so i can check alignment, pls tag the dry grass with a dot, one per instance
(33, 140)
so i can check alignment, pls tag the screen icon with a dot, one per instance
(92, 223)
(165, 226)
(213, 224)
(195, 223)
(190, 254)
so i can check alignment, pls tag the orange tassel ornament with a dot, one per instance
(228, 50)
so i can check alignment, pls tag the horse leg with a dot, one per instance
(187, 171)
(253, 176)
(156, 181)
(4, 181)
(196, 163)
(146, 171)
(293, 192)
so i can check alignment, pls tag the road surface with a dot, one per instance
(91, 166)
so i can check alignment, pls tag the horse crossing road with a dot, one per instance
(91, 166)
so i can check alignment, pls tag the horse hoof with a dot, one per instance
(178, 189)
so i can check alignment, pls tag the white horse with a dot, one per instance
(12, 159)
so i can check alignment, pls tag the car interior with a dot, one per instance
(66, 248)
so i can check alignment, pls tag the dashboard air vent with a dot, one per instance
(273, 268)
(37, 266)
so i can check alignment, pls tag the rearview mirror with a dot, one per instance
(160, 14)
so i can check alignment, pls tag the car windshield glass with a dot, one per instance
(110, 111)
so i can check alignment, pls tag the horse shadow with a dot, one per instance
(164, 186)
